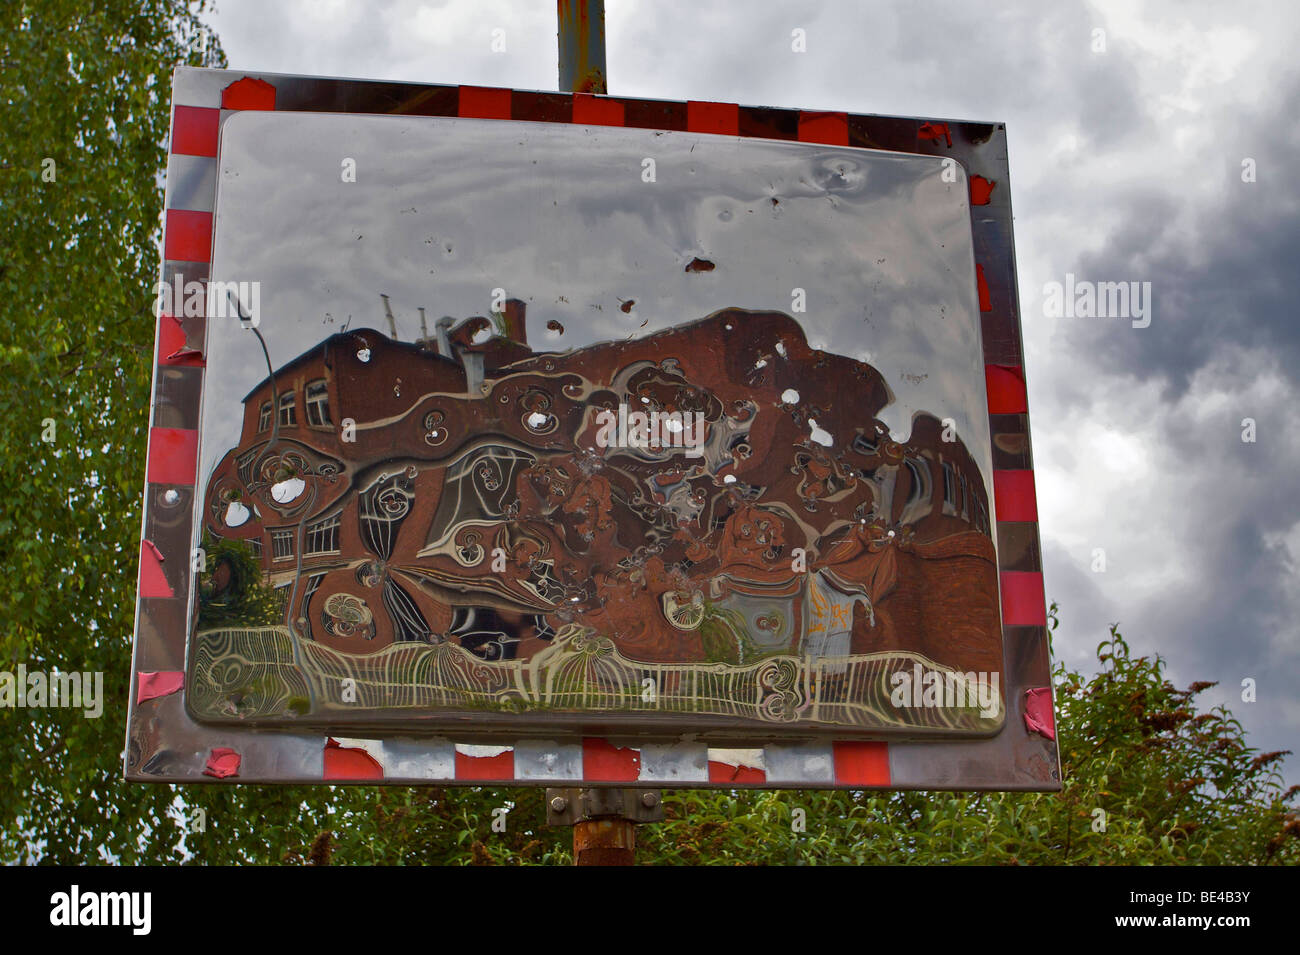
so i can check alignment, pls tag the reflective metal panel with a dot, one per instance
(595, 429)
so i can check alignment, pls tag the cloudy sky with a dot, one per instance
(1129, 152)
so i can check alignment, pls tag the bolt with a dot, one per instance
(559, 804)
(649, 800)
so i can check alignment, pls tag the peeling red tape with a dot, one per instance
(1040, 717)
(727, 773)
(223, 762)
(153, 582)
(932, 131)
(248, 93)
(150, 686)
(980, 190)
(486, 767)
(349, 763)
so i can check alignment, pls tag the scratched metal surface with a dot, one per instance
(600, 253)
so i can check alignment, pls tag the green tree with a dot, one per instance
(86, 94)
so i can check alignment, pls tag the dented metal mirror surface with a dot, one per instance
(596, 429)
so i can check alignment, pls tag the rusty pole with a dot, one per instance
(604, 821)
(604, 842)
(582, 45)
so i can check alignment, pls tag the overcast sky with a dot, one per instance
(1126, 165)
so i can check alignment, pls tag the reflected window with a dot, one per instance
(313, 585)
(288, 417)
(949, 489)
(244, 463)
(282, 598)
(323, 537)
(318, 407)
(282, 544)
(264, 418)
(918, 492)
(255, 546)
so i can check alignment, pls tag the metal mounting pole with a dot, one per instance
(604, 821)
(582, 45)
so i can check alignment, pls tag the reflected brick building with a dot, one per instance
(456, 490)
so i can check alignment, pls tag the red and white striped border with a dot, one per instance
(201, 101)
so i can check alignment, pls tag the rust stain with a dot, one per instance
(588, 65)
(604, 842)
(627, 306)
(700, 265)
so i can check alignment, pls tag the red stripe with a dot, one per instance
(986, 303)
(861, 764)
(347, 763)
(603, 762)
(1014, 496)
(248, 93)
(728, 774)
(829, 128)
(173, 456)
(194, 130)
(1006, 389)
(153, 582)
(484, 102)
(590, 110)
(486, 767)
(720, 118)
(1023, 604)
(189, 236)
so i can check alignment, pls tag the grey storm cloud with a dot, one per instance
(1223, 274)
